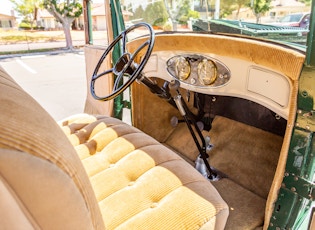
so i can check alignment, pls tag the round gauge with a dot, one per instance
(182, 68)
(207, 72)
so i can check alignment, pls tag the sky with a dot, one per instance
(5, 7)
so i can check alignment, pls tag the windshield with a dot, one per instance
(255, 18)
(292, 18)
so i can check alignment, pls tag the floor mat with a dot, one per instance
(247, 210)
(248, 155)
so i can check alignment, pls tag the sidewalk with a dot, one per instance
(57, 41)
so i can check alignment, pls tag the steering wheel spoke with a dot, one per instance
(118, 81)
(125, 64)
(95, 77)
(133, 56)
(124, 42)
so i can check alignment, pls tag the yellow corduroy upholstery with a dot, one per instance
(127, 179)
(140, 183)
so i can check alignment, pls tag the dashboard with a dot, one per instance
(257, 71)
(220, 75)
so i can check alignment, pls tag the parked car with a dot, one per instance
(222, 133)
(296, 20)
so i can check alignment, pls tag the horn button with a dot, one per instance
(121, 65)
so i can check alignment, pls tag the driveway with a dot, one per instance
(56, 81)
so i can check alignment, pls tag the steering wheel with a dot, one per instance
(125, 65)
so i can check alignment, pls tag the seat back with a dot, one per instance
(43, 184)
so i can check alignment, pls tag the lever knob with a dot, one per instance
(174, 85)
(174, 121)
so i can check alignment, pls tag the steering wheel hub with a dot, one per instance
(122, 63)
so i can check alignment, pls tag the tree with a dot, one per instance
(260, 7)
(185, 12)
(170, 8)
(179, 11)
(156, 14)
(227, 7)
(306, 2)
(27, 9)
(138, 13)
(65, 12)
(240, 4)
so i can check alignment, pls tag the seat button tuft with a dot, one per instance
(154, 205)
(131, 183)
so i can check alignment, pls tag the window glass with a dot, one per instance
(278, 20)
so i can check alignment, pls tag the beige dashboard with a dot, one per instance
(261, 72)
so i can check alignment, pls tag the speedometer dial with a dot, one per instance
(207, 72)
(182, 68)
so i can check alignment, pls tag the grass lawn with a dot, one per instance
(20, 36)
(23, 37)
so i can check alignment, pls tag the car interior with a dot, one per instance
(92, 171)
(248, 119)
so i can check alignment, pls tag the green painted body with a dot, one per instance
(295, 205)
(118, 26)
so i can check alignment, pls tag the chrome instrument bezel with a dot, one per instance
(223, 74)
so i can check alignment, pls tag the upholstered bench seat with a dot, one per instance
(138, 181)
(102, 174)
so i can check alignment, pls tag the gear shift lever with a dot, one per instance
(202, 165)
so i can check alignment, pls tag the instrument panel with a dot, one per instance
(198, 70)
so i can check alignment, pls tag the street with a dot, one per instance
(56, 81)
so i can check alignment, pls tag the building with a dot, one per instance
(7, 21)
(46, 20)
(49, 22)
(98, 16)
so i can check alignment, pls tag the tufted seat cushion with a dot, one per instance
(138, 181)
(122, 179)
